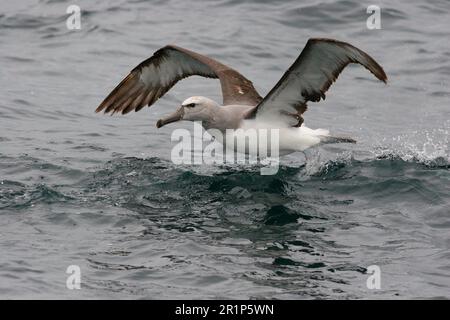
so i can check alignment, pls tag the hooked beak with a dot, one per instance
(176, 116)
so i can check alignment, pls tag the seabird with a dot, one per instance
(316, 68)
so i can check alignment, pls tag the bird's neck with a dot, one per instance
(215, 118)
(226, 117)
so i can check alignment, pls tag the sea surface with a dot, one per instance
(101, 192)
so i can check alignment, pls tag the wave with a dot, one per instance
(150, 184)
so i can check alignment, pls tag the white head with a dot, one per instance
(195, 108)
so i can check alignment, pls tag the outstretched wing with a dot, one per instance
(317, 67)
(152, 78)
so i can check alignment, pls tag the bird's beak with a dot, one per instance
(176, 116)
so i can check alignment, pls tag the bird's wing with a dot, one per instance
(317, 67)
(152, 78)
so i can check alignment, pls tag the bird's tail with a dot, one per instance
(331, 139)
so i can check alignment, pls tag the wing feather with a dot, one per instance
(311, 75)
(152, 78)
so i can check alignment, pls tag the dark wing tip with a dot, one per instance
(383, 77)
(132, 93)
(372, 65)
(120, 94)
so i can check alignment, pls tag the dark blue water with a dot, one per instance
(100, 192)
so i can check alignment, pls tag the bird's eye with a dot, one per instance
(190, 105)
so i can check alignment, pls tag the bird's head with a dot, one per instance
(192, 109)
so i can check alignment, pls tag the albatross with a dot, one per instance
(307, 79)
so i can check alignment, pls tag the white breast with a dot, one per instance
(289, 139)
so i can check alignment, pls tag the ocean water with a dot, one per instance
(101, 193)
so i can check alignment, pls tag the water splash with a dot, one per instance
(430, 148)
